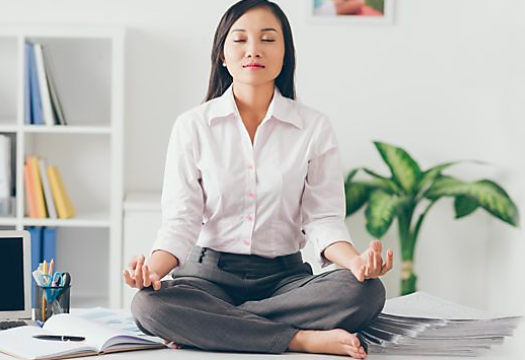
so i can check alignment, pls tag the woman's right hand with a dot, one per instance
(139, 275)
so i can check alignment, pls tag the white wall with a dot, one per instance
(445, 82)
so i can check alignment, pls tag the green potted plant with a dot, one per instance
(409, 187)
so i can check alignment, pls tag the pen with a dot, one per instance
(59, 337)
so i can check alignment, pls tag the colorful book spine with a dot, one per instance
(27, 84)
(48, 195)
(36, 101)
(32, 161)
(29, 193)
(47, 108)
(62, 201)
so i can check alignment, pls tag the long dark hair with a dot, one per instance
(220, 78)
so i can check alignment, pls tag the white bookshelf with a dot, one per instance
(88, 68)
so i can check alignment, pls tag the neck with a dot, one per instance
(253, 100)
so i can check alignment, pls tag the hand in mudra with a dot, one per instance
(370, 265)
(139, 275)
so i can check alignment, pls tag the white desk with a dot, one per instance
(498, 353)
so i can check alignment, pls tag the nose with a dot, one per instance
(252, 50)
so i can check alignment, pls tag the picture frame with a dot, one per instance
(356, 12)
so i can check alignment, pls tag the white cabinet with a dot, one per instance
(87, 65)
(142, 218)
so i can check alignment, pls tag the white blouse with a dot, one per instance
(224, 193)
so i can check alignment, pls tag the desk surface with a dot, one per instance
(169, 354)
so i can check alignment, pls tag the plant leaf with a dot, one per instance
(427, 177)
(486, 193)
(388, 185)
(380, 212)
(464, 206)
(405, 170)
(351, 175)
(357, 194)
(431, 174)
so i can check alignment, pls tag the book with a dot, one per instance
(36, 101)
(5, 166)
(58, 111)
(38, 191)
(47, 109)
(29, 193)
(99, 339)
(62, 201)
(48, 195)
(28, 48)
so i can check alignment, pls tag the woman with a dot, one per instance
(250, 175)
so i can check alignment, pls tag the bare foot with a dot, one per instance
(337, 341)
(171, 345)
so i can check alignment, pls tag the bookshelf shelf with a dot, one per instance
(87, 66)
(8, 128)
(73, 129)
(82, 220)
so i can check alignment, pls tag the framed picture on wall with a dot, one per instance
(353, 11)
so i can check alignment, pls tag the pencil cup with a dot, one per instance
(51, 300)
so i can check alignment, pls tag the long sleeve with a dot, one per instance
(182, 195)
(323, 202)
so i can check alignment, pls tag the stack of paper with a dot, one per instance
(422, 324)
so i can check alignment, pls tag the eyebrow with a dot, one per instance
(262, 30)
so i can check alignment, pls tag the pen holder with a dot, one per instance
(51, 300)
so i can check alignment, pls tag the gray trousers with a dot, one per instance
(246, 303)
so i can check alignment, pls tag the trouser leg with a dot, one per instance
(197, 312)
(326, 301)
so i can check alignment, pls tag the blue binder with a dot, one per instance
(27, 84)
(49, 244)
(36, 254)
(36, 100)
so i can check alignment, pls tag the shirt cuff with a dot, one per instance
(325, 235)
(174, 247)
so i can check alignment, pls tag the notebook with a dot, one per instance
(15, 262)
(99, 339)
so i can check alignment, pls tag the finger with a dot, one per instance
(138, 271)
(155, 281)
(389, 262)
(133, 262)
(361, 274)
(377, 246)
(145, 276)
(127, 278)
(376, 261)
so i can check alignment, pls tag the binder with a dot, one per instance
(49, 244)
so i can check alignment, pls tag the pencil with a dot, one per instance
(43, 306)
(51, 264)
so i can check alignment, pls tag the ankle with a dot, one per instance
(298, 342)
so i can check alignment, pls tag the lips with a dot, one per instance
(253, 66)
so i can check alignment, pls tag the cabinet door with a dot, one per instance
(140, 230)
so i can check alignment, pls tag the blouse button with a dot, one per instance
(250, 217)
(251, 195)
(246, 242)
(250, 166)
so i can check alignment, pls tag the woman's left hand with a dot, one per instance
(370, 265)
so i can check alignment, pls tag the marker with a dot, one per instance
(59, 337)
